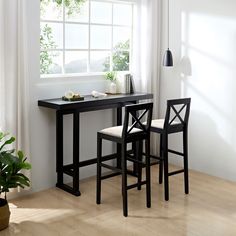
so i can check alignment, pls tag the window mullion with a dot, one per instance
(111, 52)
(66, 21)
(131, 42)
(63, 53)
(85, 23)
(89, 40)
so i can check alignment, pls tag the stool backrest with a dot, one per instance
(177, 114)
(138, 112)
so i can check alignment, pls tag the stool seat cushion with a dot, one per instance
(117, 131)
(159, 123)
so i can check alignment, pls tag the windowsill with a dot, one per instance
(73, 78)
(79, 75)
(72, 75)
(69, 78)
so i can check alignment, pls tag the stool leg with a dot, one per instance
(124, 179)
(166, 171)
(118, 160)
(99, 157)
(140, 150)
(185, 149)
(161, 162)
(148, 174)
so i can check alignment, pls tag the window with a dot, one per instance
(85, 36)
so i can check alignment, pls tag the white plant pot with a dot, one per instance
(112, 88)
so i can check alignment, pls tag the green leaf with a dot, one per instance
(27, 166)
(20, 155)
(10, 167)
(8, 159)
(3, 135)
(9, 141)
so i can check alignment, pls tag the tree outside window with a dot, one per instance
(65, 37)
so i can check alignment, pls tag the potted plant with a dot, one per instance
(111, 76)
(11, 164)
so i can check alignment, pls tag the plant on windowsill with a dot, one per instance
(11, 164)
(111, 76)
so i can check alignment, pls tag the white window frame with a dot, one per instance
(111, 50)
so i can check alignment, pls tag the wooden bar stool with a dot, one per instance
(136, 132)
(176, 120)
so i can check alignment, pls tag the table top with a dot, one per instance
(89, 100)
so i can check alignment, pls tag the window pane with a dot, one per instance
(99, 61)
(120, 61)
(76, 36)
(100, 37)
(76, 62)
(51, 62)
(51, 35)
(121, 37)
(50, 10)
(78, 14)
(101, 12)
(125, 18)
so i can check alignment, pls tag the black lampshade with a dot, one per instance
(168, 59)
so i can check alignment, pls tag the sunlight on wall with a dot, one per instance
(210, 43)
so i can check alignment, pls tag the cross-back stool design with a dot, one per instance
(136, 132)
(176, 120)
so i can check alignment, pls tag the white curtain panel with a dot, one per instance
(14, 78)
(147, 51)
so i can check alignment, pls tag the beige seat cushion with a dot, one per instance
(159, 123)
(117, 131)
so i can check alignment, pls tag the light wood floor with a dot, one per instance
(209, 210)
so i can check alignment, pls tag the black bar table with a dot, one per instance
(88, 104)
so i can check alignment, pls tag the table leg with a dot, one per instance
(118, 146)
(59, 148)
(119, 116)
(76, 159)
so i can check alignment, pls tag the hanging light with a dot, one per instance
(168, 59)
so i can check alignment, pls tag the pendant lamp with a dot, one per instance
(168, 59)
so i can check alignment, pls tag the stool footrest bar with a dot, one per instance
(109, 175)
(175, 172)
(155, 157)
(175, 152)
(134, 160)
(110, 167)
(136, 185)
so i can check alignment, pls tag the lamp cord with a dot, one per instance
(168, 24)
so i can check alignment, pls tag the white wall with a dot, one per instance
(43, 120)
(204, 32)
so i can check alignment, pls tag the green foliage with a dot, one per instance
(72, 6)
(121, 61)
(46, 42)
(111, 75)
(10, 166)
(46, 37)
(120, 57)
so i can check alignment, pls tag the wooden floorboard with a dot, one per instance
(209, 209)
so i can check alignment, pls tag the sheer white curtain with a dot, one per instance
(147, 50)
(14, 78)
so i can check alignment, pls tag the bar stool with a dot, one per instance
(176, 120)
(136, 132)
